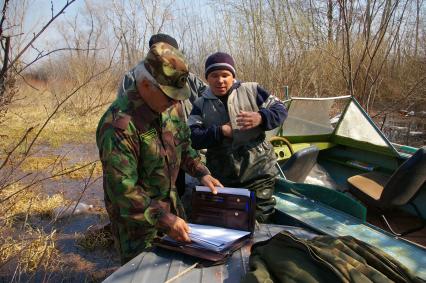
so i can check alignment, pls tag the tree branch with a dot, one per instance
(69, 2)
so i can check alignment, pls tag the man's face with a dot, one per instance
(154, 96)
(220, 81)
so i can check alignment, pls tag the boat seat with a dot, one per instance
(385, 192)
(298, 166)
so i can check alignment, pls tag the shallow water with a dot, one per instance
(84, 265)
(73, 188)
(78, 265)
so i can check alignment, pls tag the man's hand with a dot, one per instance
(248, 120)
(211, 182)
(176, 227)
(227, 130)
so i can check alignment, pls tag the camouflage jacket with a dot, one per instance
(141, 153)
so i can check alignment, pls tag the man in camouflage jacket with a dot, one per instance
(196, 86)
(142, 143)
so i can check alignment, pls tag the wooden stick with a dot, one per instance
(181, 273)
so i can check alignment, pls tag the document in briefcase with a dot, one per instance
(220, 224)
(231, 208)
(212, 243)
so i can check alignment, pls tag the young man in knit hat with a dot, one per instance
(230, 121)
(196, 86)
(143, 142)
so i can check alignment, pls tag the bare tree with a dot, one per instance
(416, 44)
(346, 44)
(133, 22)
(330, 20)
(12, 61)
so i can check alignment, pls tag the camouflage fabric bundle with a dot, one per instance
(286, 258)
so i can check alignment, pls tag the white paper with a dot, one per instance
(212, 237)
(216, 234)
(225, 190)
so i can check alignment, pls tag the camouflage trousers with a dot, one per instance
(132, 239)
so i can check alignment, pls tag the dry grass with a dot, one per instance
(86, 171)
(61, 129)
(55, 164)
(27, 203)
(28, 248)
(39, 163)
(36, 249)
(64, 127)
(95, 238)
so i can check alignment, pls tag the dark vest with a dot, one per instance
(247, 160)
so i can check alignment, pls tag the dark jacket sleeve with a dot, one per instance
(197, 87)
(271, 109)
(201, 136)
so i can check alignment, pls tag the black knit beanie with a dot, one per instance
(220, 61)
(162, 37)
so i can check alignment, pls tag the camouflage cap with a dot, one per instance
(169, 68)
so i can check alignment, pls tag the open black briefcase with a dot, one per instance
(225, 209)
(230, 211)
